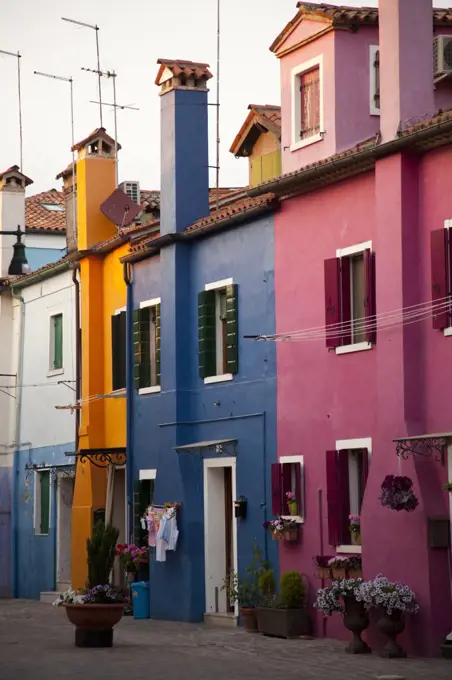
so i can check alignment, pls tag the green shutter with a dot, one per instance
(141, 347)
(206, 333)
(58, 341)
(136, 348)
(157, 344)
(44, 479)
(232, 352)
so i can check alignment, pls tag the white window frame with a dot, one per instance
(37, 503)
(55, 371)
(299, 519)
(448, 331)
(147, 474)
(224, 377)
(154, 389)
(295, 142)
(347, 445)
(346, 252)
(374, 110)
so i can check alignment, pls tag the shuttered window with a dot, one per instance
(56, 342)
(441, 262)
(350, 308)
(118, 350)
(287, 477)
(346, 478)
(376, 66)
(146, 346)
(310, 103)
(218, 331)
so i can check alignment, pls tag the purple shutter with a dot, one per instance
(286, 486)
(332, 301)
(346, 302)
(276, 488)
(369, 300)
(298, 494)
(344, 498)
(365, 469)
(332, 496)
(438, 249)
(449, 236)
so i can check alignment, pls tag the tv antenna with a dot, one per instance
(18, 56)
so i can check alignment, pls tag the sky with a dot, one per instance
(133, 35)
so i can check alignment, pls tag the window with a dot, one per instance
(53, 207)
(42, 502)
(143, 496)
(346, 477)
(218, 331)
(146, 346)
(307, 103)
(441, 258)
(288, 476)
(118, 349)
(350, 299)
(374, 67)
(56, 342)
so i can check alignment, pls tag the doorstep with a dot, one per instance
(49, 597)
(224, 620)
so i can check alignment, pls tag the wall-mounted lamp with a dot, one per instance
(19, 263)
(240, 507)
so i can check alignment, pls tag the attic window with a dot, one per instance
(374, 68)
(53, 207)
(94, 147)
(106, 148)
(307, 103)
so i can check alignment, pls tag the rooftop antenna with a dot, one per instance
(218, 106)
(18, 56)
(115, 106)
(71, 84)
(95, 28)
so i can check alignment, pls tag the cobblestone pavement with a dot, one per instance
(37, 643)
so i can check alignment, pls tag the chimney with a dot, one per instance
(406, 63)
(12, 212)
(184, 143)
(70, 206)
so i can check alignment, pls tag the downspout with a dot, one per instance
(78, 355)
(129, 396)
(14, 491)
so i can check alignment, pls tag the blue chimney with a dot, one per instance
(184, 196)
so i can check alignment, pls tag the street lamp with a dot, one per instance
(19, 263)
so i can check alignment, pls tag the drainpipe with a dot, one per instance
(20, 365)
(78, 355)
(129, 395)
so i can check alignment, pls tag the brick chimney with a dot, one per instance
(12, 211)
(184, 143)
(406, 63)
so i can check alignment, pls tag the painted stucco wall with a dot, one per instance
(397, 388)
(243, 408)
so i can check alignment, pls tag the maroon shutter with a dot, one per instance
(344, 498)
(438, 246)
(276, 488)
(333, 496)
(449, 237)
(298, 494)
(286, 486)
(365, 468)
(332, 301)
(346, 301)
(369, 301)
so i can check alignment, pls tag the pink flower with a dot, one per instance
(290, 496)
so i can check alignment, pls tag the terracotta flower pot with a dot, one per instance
(290, 535)
(338, 573)
(323, 572)
(356, 620)
(277, 536)
(94, 623)
(248, 616)
(355, 573)
(392, 625)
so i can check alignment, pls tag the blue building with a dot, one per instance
(202, 397)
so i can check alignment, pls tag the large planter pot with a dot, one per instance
(94, 623)
(356, 620)
(283, 623)
(248, 616)
(392, 625)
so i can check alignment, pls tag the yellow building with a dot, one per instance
(259, 140)
(103, 353)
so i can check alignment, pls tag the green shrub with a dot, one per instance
(267, 585)
(101, 550)
(292, 593)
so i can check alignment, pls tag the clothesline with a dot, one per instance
(160, 521)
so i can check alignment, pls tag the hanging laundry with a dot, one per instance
(167, 535)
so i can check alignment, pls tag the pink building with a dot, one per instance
(363, 279)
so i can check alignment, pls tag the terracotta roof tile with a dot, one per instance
(266, 115)
(151, 198)
(44, 268)
(39, 217)
(95, 134)
(241, 206)
(15, 169)
(183, 67)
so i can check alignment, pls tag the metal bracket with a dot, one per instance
(55, 471)
(422, 446)
(101, 457)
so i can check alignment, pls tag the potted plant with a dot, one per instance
(283, 615)
(96, 610)
(338, 566)
(134, 560)
(355, 529)
(448, 487)
(292, 503)
(283, 529)
(393, 601)
(397, 494)
(245, 590)
(347, 598)
(354, 567)
(321, 563)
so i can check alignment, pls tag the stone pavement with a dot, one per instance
(37, 643)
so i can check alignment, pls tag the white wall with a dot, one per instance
(55, 241)
(7, 403)
(41, 423)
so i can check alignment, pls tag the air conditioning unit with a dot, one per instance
(132, 189)
(442, 54)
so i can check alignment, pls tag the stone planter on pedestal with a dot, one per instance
(94, 623)
(392, 625)
(356, 620)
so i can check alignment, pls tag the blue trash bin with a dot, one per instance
(140, 600)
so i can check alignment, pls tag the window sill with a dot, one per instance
(350, 549)
(448, 332)
(41, 534)
(55, 371)
(295, 146)
(296, 518)
(212, 379)
(356, 347)
(375, 112)
(155, 389)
